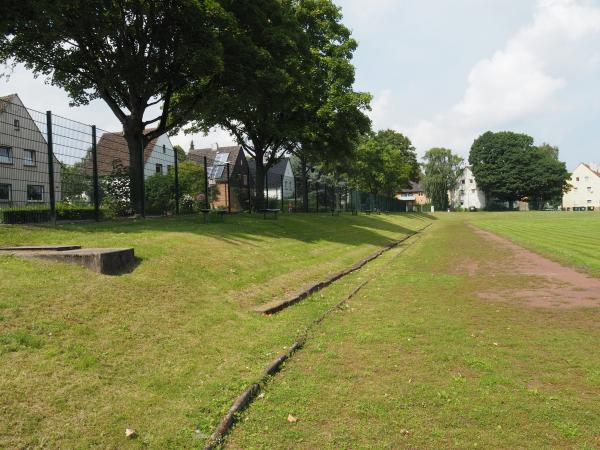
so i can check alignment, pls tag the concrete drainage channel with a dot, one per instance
(252, 391)
(108, 261)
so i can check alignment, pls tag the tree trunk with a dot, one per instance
(134, 135)
(304, 171)
(259, 182)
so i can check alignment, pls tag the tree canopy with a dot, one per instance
(133, 54)
(291, 90)
(509, 167)
(442, 169)
(383, 163)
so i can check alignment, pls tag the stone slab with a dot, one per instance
(108, 261)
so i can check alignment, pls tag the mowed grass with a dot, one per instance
(166, 348)
(572, 238)
(419, 360)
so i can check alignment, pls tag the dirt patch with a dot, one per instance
(559, 286)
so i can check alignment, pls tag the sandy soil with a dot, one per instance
(559, 287)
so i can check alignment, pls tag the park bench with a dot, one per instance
(273, 211)
(220, 212)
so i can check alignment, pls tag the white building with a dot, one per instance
(466, 194)
(24, 177)
(585, 190)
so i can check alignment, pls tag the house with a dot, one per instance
(466, 195)
(112, 149)
(217, 159)
(24, 177)
(413, 196)
(279, 173)
(585, 188)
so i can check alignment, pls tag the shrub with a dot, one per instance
(30, 214)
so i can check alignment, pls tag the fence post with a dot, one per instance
(142, 185)
(228, 191)
(267, 187)
(282, 193)
(249, 188)
(205, 183)
(295, 195)
(51, 188)
(176, 181)
(95, 176)
(317, 194)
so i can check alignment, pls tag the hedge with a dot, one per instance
(37, 215)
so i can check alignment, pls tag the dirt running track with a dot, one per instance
(559, 286)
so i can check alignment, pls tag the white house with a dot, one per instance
(280, 172)
(24, 178)
(585, 188)
(466, 194)
(159, 156)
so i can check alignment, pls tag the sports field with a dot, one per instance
(456, 341)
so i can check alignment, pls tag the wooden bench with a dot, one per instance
(273, 211)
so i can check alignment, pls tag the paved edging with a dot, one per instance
(279, 305)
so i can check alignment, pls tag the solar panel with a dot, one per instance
(216, 170)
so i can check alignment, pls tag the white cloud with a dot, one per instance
(522, 79)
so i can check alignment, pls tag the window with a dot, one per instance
(29, 159)
(589, 202)
(35, 193)
(17, 125)
(6, 155)
(5, 192)
(245, 180)
(462, 181)
(473, 191)
(164, 148)
(159, 168)
(589, 189)
(471, 181)
(576, 178)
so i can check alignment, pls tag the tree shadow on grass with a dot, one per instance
(248, 229)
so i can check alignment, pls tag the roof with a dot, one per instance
(113, 147)
(221, 155)
(277, 169)
(4, 101)
(595, 168)
(414, 187)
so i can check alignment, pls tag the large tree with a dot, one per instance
(442, 169)
(382, 163)
(292, 91)
(509, 167)
(133, 54)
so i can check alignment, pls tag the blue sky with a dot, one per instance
(444, 71)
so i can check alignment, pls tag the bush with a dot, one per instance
(38, 215)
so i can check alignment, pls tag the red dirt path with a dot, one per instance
(559, 287)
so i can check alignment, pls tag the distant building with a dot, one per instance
(112, 149)
(466, 195)
(24, 178)
(414, 196)
(281, 172)
(585, 188)
(217, 159)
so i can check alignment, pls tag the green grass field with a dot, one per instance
(416, 360)
(166, 348)
(572, 238)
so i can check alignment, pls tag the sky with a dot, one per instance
(442, 72)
